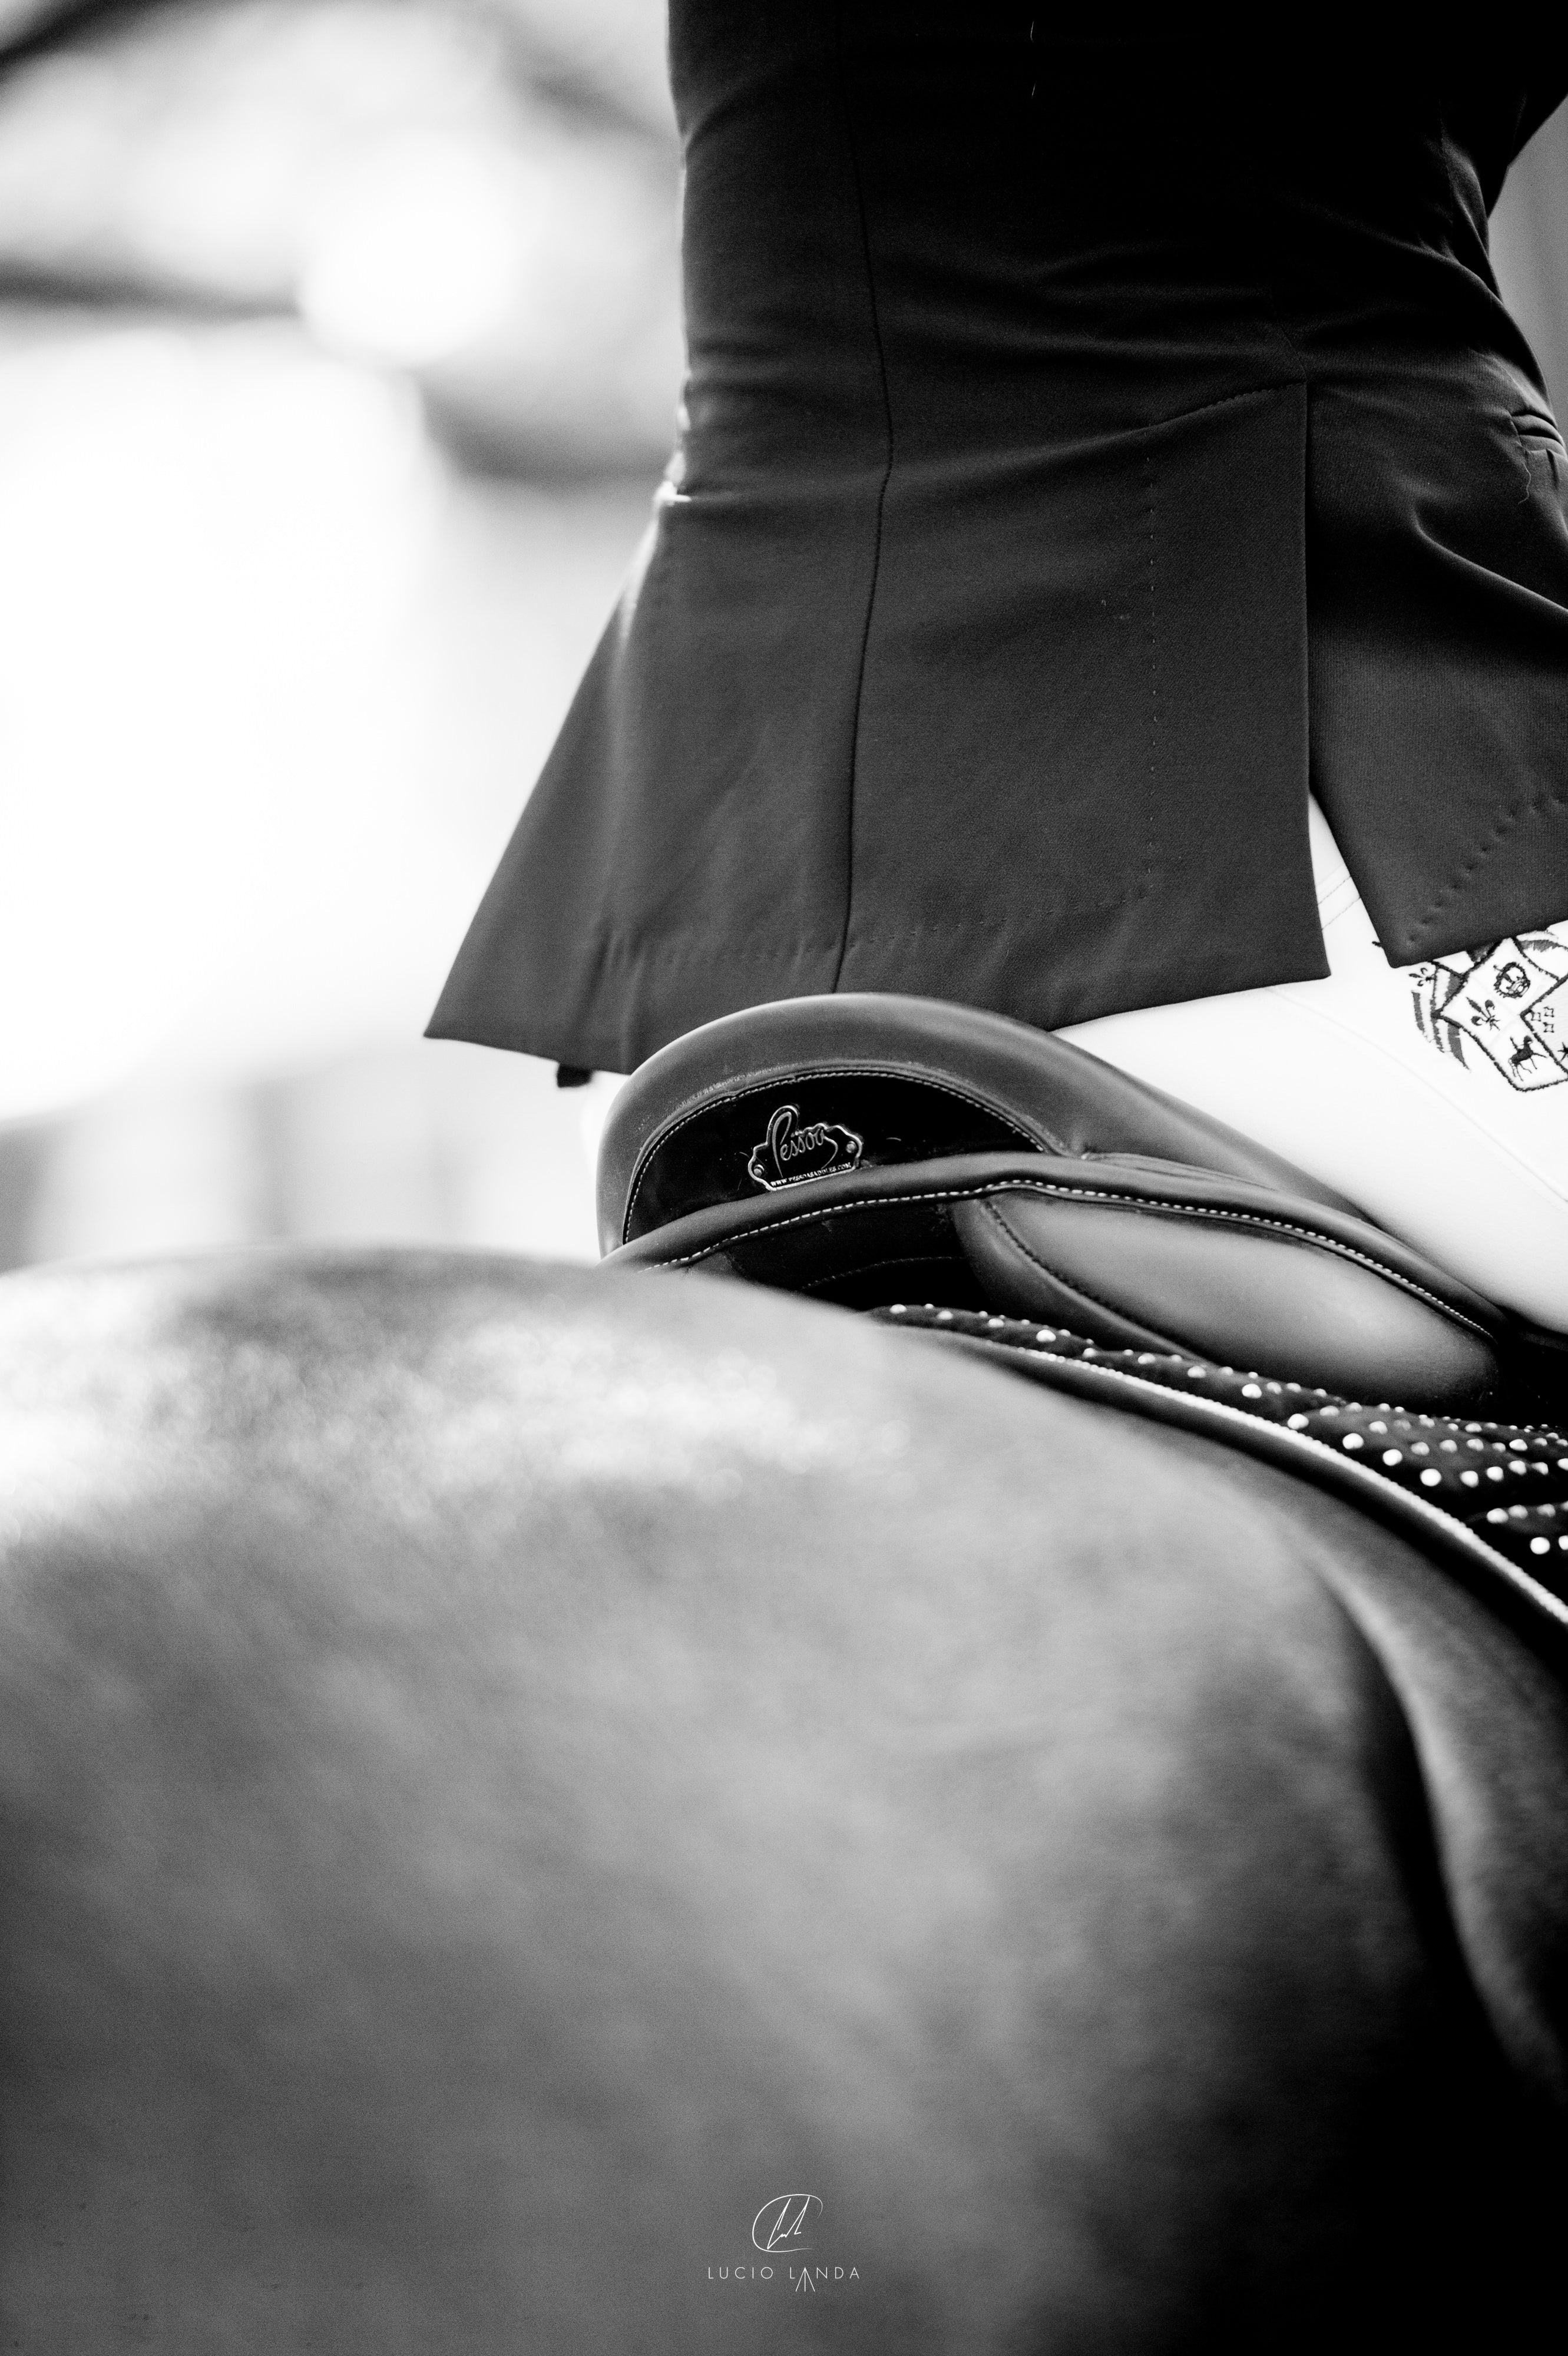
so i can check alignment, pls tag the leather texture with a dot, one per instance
(682, 1130)
(1104, 1206)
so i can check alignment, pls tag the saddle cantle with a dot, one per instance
(871, 1148)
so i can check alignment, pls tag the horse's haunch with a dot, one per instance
(544, 1813)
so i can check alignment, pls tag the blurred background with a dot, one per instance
(340, 349)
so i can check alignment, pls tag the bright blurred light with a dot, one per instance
(418, 250)
(214, 202)
(276, 682)
(210, 546)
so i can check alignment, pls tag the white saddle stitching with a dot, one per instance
(1097, 1195)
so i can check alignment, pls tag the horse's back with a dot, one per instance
(504, 1774)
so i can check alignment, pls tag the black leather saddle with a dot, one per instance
(871, 1149)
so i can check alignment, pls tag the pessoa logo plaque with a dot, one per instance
(794, 1149)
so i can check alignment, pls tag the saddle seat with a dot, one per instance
(870, 1149)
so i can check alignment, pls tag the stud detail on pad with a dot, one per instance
(789, 1153)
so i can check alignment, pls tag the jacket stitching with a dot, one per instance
(1502, 826)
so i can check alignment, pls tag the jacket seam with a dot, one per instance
(881, 499)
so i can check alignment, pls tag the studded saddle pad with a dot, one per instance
(949, 1171)
(1491, 1498)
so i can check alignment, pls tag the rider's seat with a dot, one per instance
(872, 1149)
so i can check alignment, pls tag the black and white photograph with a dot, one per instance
(783, 1180)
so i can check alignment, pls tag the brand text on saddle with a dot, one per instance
(791, 1150)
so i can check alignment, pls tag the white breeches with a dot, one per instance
(1435, 1096)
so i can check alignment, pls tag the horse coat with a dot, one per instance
(506, 1772)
